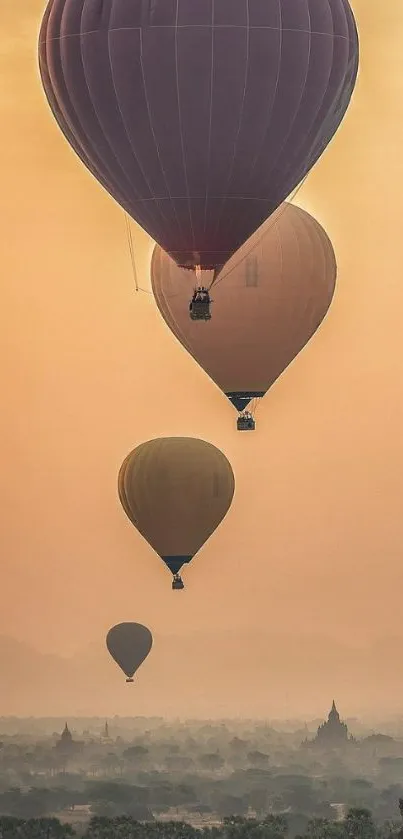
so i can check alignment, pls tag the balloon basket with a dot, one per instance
(245, 423)
(177, 585)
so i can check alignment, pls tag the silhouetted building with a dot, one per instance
(66, 745)
(332, 733)
(105, 738)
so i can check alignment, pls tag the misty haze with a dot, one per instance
(201, 369)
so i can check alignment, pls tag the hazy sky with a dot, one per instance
(313, 543)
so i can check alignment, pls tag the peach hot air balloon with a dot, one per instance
(176, 491)
(271, 299)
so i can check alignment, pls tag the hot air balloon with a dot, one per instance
(176, 491)
(129, 644)
(199, 118)
(272, 297)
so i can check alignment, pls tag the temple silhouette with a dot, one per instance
(66, 746)
(105, 736)
(332, 733)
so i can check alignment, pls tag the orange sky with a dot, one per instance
(88, 370)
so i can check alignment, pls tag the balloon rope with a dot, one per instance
(253, 405)
(131, 251)
(258, 403)
(275, 217)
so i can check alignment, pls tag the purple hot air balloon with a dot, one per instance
(199, 116)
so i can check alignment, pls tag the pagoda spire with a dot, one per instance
(334, 714)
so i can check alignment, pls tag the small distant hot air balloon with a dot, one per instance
(129, 644)
(271, 299)
(176, 491)
(199, 118)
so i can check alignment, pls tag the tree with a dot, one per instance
(389, 830)
(116, 799)
(273, 827)
(112, 764)
(359, 824)
(231, 805)
(212, 761)
(361, 792)
(13, 828)
(238, 745)
(321, 828)
(257, 758)
(135, 753)
(257, 799)
(298, 794)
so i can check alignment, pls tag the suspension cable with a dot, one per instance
(131, 252)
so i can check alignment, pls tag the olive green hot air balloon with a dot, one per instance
(129, 644)
(176, 491)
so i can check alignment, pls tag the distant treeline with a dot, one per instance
(357, 824)
(241, 794)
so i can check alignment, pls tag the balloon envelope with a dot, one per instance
(272, 297)
(199, 118)
(176, 491)
(129, 644)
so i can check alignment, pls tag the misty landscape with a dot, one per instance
(322, 777)
(317, 779)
